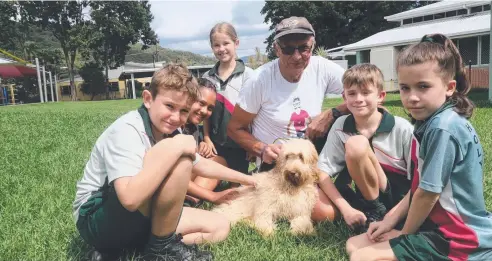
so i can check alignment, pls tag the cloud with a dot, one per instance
(185, 25)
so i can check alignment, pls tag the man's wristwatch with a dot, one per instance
(335, 113)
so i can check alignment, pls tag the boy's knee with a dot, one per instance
(222, 230)
(356, 147)
(184, 165)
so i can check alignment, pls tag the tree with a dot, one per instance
(66, 21)
(337, 23)
(114, 26)
(94, 83)
(257, 59)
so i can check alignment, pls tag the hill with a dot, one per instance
(136, 54)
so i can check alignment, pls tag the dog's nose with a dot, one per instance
(293, 177)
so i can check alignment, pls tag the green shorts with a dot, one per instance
(428, 245)
(106, 225)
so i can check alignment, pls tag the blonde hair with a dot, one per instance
(225, 28)
(363, 74)
(174, 77)
(440, 49)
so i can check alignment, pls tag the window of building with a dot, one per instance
(462, 12)
(476, 9)
(428, 17)
(450, 13)
(469, 49)
(365, 56)
(418, 19)
(113, 86)
(439, 15)
(65, 90)
(486, 7)
(485, 50)
(407, 21)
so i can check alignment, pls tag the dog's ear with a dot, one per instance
(312, 155)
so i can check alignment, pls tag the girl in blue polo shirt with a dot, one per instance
(445, 212)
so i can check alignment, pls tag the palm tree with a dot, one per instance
(321, 51)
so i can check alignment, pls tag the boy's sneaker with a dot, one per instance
(373, 215)
(176, 250)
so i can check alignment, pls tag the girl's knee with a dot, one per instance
(356, 147)
(324, 209)
(351, 245)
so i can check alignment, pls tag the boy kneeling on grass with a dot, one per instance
(370, 146)
(134, 184)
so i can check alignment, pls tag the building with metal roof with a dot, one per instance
(467, 23)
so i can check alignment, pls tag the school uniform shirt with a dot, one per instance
(118, 152)
(227, 96)
(447, 158)
(284, 109)
(390, 143)
(191, 129)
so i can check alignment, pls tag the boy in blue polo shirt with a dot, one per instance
(370, 146)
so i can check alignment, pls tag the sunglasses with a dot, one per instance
(290, 50)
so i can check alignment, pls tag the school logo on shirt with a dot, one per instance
(299, 118)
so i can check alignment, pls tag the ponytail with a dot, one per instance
(462, 104)
(439, 48)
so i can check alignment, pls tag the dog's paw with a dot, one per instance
(302, 226)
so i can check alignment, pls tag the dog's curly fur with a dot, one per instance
(288, 191)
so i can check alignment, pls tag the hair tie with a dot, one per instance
(428, 39)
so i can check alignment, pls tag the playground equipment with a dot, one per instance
(7, 94)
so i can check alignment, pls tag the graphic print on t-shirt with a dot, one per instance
(300, 118)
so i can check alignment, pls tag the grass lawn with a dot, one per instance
(45, 148)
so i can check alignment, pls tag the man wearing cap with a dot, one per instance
(285, 98)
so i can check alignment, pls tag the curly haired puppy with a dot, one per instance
(288, 191)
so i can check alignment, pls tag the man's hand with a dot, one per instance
(354, 218)
(320, 125)
(271, 152)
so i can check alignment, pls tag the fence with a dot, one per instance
(479, 77)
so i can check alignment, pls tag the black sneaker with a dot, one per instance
(176, 250)
(372, 215)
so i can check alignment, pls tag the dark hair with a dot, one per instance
(439, 48)
(174, 77)
(206, 83)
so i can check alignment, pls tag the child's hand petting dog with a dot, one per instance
(381, 231)
(224, 196)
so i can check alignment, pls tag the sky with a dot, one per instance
(185, 25)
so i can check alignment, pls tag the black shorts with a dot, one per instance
(106, 225)
(236, 158)
(356, 200)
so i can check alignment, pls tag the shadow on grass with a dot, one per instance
(78, 250)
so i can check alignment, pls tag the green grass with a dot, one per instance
(45, 148)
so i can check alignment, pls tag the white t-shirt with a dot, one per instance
(283, 109)
(118, 152)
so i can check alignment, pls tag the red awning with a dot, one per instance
(16, 70)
